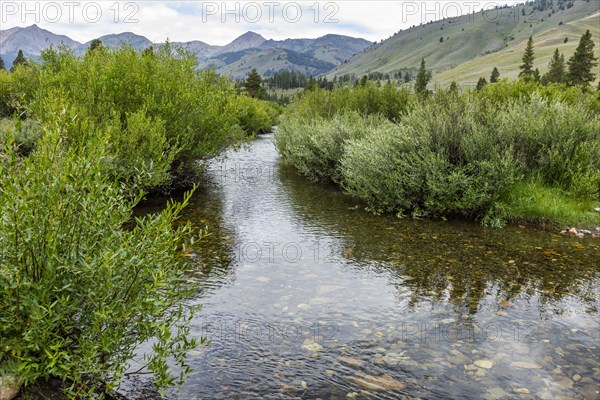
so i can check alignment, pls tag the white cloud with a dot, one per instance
(219, 22)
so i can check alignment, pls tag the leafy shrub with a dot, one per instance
(255, 116)
(558, 143)
(389, 101)
(78, 292)
(439, 161)
(23, 134)
(17, 89)
(450, 153)
(315, 147)
(198, 110)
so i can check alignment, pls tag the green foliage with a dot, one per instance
(556, 143)
(19, 60)
(451, 153)
(423, 78)
(315, 147)
(23, 135)
(389, 101)
(534, 201)
(17, 89)
(256, 116)
(104, 88)
(556, 69)
(495, 75)
(481, 84)
(94, 44)
(2, 67)
(253, 84)
(528, 58)
(583, 62)
(79, 292)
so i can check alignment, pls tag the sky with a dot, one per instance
(219, 22)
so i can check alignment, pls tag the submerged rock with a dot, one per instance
(383, 382)
(9, 387)
(486, 364)
(525, 365)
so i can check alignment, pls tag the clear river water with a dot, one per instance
(306, 295)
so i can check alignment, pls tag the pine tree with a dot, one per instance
(583, 62)
(527, 66)
(453, 87)
(94, 44)
(19, 60)
(253, 84)
(481, 83)
(495, 75)
(2, 67)
(537, 77)
(406, 77)
(423, 78)
(556, 68)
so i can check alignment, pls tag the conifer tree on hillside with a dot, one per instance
(253, 84)
(527, 66)
(495, 75)
(423, 78)
(583, 62)
(2, 67)
(556, 69)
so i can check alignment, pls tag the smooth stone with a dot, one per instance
(395, 358)
(352, 395)
(576, 377)
(351, 361)
(564, 383)
(495, 393)
(303, 306)
(384, 382)
(304, 385)
(521, 390)
(486, 364)
(525, 365)
(263, 279)
(312, 347)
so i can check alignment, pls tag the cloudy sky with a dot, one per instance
(219, 22)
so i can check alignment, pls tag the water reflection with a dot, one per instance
(309, 296)
(455, 261)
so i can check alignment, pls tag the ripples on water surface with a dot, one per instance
(306, 295)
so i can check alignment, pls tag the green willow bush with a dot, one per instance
(441, 160)
(389, 101)
(316, 146)
(190, 115)
(78, 291)
(450, 154)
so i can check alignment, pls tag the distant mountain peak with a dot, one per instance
(246, 41)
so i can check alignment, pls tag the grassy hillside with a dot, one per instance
(482, 40)
(509, 59)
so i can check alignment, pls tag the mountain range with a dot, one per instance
(461, 49)
(236, 59)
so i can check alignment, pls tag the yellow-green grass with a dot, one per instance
(508, 60)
